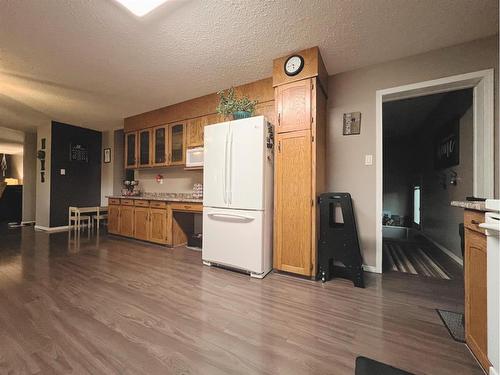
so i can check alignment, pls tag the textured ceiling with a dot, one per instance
(92, 63)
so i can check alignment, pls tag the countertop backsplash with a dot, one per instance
(175, 180)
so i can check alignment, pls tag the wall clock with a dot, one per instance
(294, 65)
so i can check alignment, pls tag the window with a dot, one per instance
(416, 205)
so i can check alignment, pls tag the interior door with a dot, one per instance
(215, 165)
(294, 106)
(246, 161)
(141, 223)
(293, 203)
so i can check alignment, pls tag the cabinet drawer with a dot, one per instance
(141, 203)
(127, 202)
(195, 207)
(113, 201)
(158, 204)
(472, 219)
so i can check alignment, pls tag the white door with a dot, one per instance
(233, 238)
(215, 165)
(247, 158)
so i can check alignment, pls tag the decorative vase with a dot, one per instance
(241, 114)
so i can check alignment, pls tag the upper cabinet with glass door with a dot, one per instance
(177, 142)
(145, 148)
(131, 150)
(160, 145)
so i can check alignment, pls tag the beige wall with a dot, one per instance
(107, 169)
(29, 177)
(43, 189)
(440, 220)
(356, 91)
(176, 180)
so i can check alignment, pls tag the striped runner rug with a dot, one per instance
(413, 258)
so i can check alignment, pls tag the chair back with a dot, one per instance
(3, 184)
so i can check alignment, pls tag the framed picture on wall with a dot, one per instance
(447, 145)
(107, 155)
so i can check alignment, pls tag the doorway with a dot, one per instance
(482, 85)
(427, 163)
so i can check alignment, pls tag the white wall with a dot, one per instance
(356, 91)
(29, 176)
(43, 189)
(176, 180)
(107, 169)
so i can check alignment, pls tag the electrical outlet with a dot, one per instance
(63, 172)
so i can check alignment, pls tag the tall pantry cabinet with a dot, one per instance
(300, 84)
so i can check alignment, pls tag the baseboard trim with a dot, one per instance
(27, 223)
(452, 255)
(51, 229)
(372, 269)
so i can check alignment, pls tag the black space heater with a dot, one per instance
(338, 249)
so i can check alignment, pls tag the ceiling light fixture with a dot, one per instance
(141, 7)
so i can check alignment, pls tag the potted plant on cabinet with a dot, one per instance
(239, 108)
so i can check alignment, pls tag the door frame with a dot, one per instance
(482, 83)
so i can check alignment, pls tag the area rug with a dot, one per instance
(367, 366)
(413, 258)
(454, 323)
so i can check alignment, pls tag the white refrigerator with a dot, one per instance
(238, 196)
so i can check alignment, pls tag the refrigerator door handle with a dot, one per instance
(224, 187)
(230, 183)
(225, 215)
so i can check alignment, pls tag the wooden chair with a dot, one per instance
(75, 216)
(98, 218)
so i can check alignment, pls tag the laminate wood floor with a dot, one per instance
(106, 305)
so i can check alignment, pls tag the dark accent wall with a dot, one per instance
(81, 185)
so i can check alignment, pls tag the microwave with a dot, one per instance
(194, 157)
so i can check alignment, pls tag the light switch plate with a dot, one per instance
(368, 159)
(63, 172)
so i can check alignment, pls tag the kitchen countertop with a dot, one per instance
(158, 198)
(470, 205)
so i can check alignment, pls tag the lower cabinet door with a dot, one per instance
(476, 332)
(127, 221)
(293, 203)
(158, 225)
(141, 223)
(114, 219)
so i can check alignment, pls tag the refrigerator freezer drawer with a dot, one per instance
(235, 238)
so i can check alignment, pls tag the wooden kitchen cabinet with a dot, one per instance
(127, 221)
(141, 223)
(145, 151)
(293, 106)
(149, 220)
(114, 218)
(158, 226)
(177, 144)
(475, 287)
(293, 201)
(160, 145)
(131, 150)
(299, 172)
(194, 131)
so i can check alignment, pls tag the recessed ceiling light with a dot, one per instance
(141, 7)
